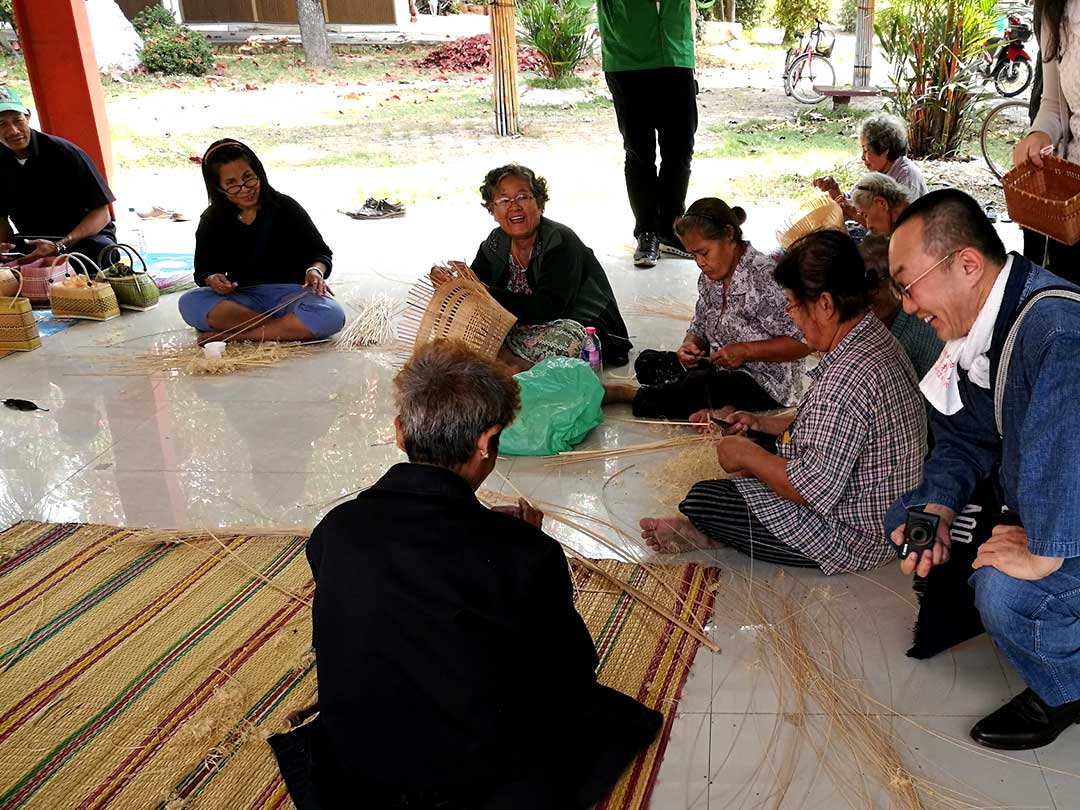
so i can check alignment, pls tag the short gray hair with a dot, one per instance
(446, 397)
(885, 135)
(874, 250)
(876, 184)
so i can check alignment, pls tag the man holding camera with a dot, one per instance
(1022, 425)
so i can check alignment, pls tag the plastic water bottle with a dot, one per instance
(134, 230)
(590, 351)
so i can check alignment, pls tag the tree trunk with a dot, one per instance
(313, 33)
(729, 11)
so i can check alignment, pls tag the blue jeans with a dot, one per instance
(1037, 626)
(321, 314)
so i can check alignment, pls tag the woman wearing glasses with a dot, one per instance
(853, 446)
(544, 275)
(257, 252)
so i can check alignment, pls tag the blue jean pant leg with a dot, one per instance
(322, 315)
(1036, 625)
(195, 306)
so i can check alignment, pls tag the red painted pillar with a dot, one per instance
(55, 39)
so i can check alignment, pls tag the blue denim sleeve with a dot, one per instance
(1048, 485)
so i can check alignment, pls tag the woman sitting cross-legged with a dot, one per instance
(856, 440)
(544, 275)
(741, 348)
(454, 671)
(257, 253)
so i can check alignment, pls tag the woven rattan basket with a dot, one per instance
(18, 329)
(1046, 200)
(133, 286)
(10, 283)
(39, 275)
(94, 302)
(818, 213)
(460, 309)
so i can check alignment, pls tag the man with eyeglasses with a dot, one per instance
(50, 190)
(648, 58)
(1005, 397)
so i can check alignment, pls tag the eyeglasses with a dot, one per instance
(520, 199)
(905, 290)
(249, 182)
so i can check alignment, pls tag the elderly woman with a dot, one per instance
(880, 200)
(541, 272)
(260, 262)
(453, 632)
(741, 348)
(917, 338)
(884, 143)
(853, 445)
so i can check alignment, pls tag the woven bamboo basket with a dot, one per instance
(460, 309)
(1046, 200)
(818, 213)
(10, 284)
(133, 287)
(94, 302)
(18, 329)
(38, 276)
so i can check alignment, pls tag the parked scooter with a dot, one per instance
(1009, 66)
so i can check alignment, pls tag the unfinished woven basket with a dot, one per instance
(460, 309)
(817, 213)
(1046, 200)
(18, 329)
(94, 302)
(133, 286)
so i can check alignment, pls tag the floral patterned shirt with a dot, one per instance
(750, 309)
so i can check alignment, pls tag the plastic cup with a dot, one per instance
(214, 350)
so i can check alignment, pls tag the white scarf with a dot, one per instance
(941, 384)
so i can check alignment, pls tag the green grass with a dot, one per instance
(565, 83)
(825, 131)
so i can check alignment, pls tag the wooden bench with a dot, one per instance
(841, 95)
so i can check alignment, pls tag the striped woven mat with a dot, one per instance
(144, 668)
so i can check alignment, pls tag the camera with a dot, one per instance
(920, 532)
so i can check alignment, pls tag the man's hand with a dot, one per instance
(732, 453)
(689, 354)
(43, 249)
(1007, 551)
(219, 284)
(522, 510)
(921, 564)
(731, 356)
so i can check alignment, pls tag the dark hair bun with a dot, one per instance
(739, 214)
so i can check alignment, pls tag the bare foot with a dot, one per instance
(614, 393)
(672, 535)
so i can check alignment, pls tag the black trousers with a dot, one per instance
(670, 392)
(1061, 260)
(651, 106)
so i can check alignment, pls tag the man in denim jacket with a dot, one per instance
(951, 270)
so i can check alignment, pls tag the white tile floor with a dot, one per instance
(277, 446)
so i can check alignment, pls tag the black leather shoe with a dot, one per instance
(648, 250)
(1025, 722)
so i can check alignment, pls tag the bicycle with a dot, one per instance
(807, 64)
(1005, 124)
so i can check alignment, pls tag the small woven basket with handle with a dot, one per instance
(95, 301)
(39, 275)
(1046, 200)
(18, 329)
(133, 286)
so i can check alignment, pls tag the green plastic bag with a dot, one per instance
(560, 404)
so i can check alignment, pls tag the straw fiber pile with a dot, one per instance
(145, 668)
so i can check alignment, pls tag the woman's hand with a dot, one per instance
(731, 356)
(1030, 149)
(314, 279)
(219, 284)
(689, 354)
(439, 275)
(830, 187)
(522, 510)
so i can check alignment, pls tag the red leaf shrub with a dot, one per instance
(472, 53)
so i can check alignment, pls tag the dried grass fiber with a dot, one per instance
(189, 361)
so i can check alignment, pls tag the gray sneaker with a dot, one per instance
(648, 250)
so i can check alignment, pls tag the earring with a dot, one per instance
(484, 454)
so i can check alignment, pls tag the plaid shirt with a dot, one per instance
(856, 444)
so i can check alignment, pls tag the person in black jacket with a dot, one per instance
(454, 671)
(256, 250)
(544, 275)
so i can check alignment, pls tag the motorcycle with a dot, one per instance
(1010, 64)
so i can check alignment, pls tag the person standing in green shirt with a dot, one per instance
(648, 58)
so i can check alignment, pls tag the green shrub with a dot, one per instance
(7, 14)
(849, 11)
(749, 12)
(559, 31)
(155, 16)
(930, 44)
(176, 49)
(799, 15)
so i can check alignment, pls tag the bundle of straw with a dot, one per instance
(373, 324)
(189, 361)
(661, 307)
(578, 456)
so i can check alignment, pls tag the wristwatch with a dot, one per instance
(61, 246)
